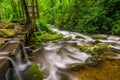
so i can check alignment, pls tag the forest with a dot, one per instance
(85, 16)
(59, 39)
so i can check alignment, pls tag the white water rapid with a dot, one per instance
(56, 56)
(17, 72)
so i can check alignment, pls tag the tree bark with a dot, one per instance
(25, 10)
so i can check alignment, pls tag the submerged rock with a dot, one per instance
(99, 37)
(75, 67)
(78, 36)
(108, 69)
(67, 38)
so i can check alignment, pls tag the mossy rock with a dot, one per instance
(9, 27)
(81, 37)
(49, 37)
(95, 49)
(98, 37)
(35, 72)
(85, 47)
(7, 32)
(67, 38)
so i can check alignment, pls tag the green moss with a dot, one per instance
(67, 38)
(35, 72)
(49, 37)
(84, 47)
(99, 37)
(94, 49)
(7, 32)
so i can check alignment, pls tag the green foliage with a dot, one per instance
(9, 10)
(37, 33)
(44, 26)
(86, 16)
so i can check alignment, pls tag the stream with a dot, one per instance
(67, 60)
(62, 60)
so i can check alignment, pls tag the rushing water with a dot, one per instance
(23, 48)
(55, 57)
(19, 63)
(18, 76)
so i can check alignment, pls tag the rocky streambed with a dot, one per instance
(79, 57)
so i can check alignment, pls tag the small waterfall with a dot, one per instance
(15, 67)
(23, 48)
(22, 61)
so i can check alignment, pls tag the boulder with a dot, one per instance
(35, 73)
(68, 38)
(99, 37)
(7, 33)
(94, 49)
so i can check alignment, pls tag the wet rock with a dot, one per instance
(91, 62)
(75, 67)
(67, 38)
(97, 41)
(99, 37)
(94, 49)
(81, 37)
(4, 66)
(48, 37)
(29, 50)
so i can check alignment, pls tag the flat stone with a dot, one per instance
(4, 53)
(11, 48)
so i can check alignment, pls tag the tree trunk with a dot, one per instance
(25, 10)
